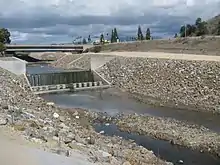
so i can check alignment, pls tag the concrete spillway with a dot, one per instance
(63, 81)
(60, 78)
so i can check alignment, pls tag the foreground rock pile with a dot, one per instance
(181, 83)
(180, 133)
(62, 131)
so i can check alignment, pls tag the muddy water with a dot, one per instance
(162, 149)
(113, 101)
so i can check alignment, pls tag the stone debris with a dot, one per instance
(55, 115)
(3, 121)
(177, 132)
(181, 161)
(50, 103)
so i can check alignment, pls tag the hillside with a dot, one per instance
(191, 45)
(212, 24)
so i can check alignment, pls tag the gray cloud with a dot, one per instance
(37, 21)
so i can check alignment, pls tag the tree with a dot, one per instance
(84, 41)
(4, 39)
(148, 36)
(115, 35)
(182, 31)
(5, 36)
(218, 28)
(140, 34)
(112, 36)
(198, 22)
(175, 36)
(189, 31)
(201, 28)
(2, 49)
(89, 39)
(102, 40)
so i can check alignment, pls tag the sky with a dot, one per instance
(60, 21)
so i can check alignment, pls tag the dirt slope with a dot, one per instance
(193, 45)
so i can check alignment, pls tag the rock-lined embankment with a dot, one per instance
(179, 133)
(177, 83)
(62, 131)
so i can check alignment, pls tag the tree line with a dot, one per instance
(4, 39)
(199, 28)
(115, 38)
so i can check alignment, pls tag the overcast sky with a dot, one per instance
(51, 21)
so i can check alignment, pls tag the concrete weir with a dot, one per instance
(66, 81)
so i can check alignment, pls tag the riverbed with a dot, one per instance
(112, 101)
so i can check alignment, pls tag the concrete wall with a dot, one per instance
(13, 65)
(60, 78)
(89, 61)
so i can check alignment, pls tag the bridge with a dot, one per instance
(10, 49)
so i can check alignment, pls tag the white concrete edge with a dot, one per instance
(76, 59)
(60, 58)
(101, 77)
(25, 76)
(104, 63)
(52, 91)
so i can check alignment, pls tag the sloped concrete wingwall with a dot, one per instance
(99, 60)
(13, 65)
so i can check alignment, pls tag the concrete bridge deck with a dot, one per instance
(44, 48)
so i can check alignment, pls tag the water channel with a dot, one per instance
(113, 102)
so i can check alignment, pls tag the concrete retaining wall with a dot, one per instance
(13, 65)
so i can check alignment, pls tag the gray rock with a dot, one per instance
(4, 106)
(80, 140)
(126, 163)
(3, 121)
(62, 118)
(91, 140)
(62, 125)
(37, 140)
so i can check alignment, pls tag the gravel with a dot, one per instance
(167, 82)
